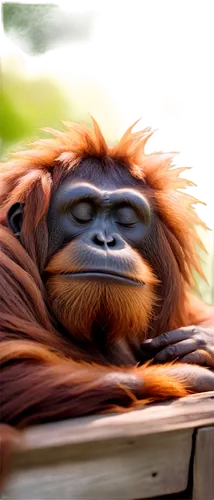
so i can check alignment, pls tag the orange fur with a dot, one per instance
(47, 375)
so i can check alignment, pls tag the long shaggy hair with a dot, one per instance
(32, 176)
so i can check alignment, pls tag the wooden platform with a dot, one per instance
(161, 450)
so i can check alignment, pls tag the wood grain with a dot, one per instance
(203, 485)
(139, 454)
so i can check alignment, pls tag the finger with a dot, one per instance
(145, 352)
(168, 338)
(174, 351)
(199, 357)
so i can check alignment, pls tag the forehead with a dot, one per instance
(105, 174)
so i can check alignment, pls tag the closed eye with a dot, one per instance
(81, 221)
(126, 224)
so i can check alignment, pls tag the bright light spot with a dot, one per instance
(173, 106)
(164, 16)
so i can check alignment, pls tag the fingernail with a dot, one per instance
(146, 343)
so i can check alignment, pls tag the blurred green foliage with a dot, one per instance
(206, 288)
(34, 98)
(37, 28)
(30, 100)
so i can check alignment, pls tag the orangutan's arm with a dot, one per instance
(39, 386)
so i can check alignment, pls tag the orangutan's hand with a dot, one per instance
(190, 344)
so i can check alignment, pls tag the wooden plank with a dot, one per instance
(203, 476)
(128, 468)
(139, 454)
(190, 412)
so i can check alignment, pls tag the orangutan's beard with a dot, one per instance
(78, 304)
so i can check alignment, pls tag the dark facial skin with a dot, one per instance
(105, 218)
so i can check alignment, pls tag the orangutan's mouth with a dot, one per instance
(105, 276)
